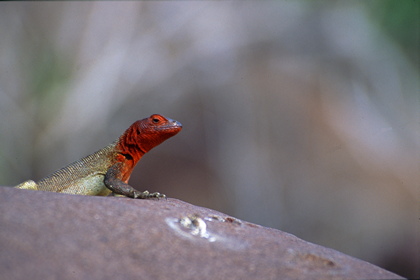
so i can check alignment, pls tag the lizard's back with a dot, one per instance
(85, 176)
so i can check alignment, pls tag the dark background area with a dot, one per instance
(298, 115)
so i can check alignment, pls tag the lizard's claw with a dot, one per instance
(147, 194)
(157, 195)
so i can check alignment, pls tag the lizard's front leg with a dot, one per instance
(113, 182)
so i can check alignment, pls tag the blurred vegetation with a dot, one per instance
(401, 21)
(49, 74)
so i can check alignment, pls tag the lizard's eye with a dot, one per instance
(155, 120)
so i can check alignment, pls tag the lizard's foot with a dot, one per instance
(147, 194)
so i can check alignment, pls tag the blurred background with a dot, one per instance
(298, 115)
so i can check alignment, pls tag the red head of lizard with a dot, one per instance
(142, 136)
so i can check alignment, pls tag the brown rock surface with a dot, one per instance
(57, 236)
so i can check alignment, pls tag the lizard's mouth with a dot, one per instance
(170, 129)
(172, 125)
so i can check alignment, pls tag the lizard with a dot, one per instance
(108, 170)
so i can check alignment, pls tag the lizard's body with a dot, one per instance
(85, 176)
(109, 169)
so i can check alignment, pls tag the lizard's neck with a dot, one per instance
(129, 145)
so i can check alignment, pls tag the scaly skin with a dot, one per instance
(109, 169)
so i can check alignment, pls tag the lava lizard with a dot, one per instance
(108, 170)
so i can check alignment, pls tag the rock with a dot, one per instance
(59, 236)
